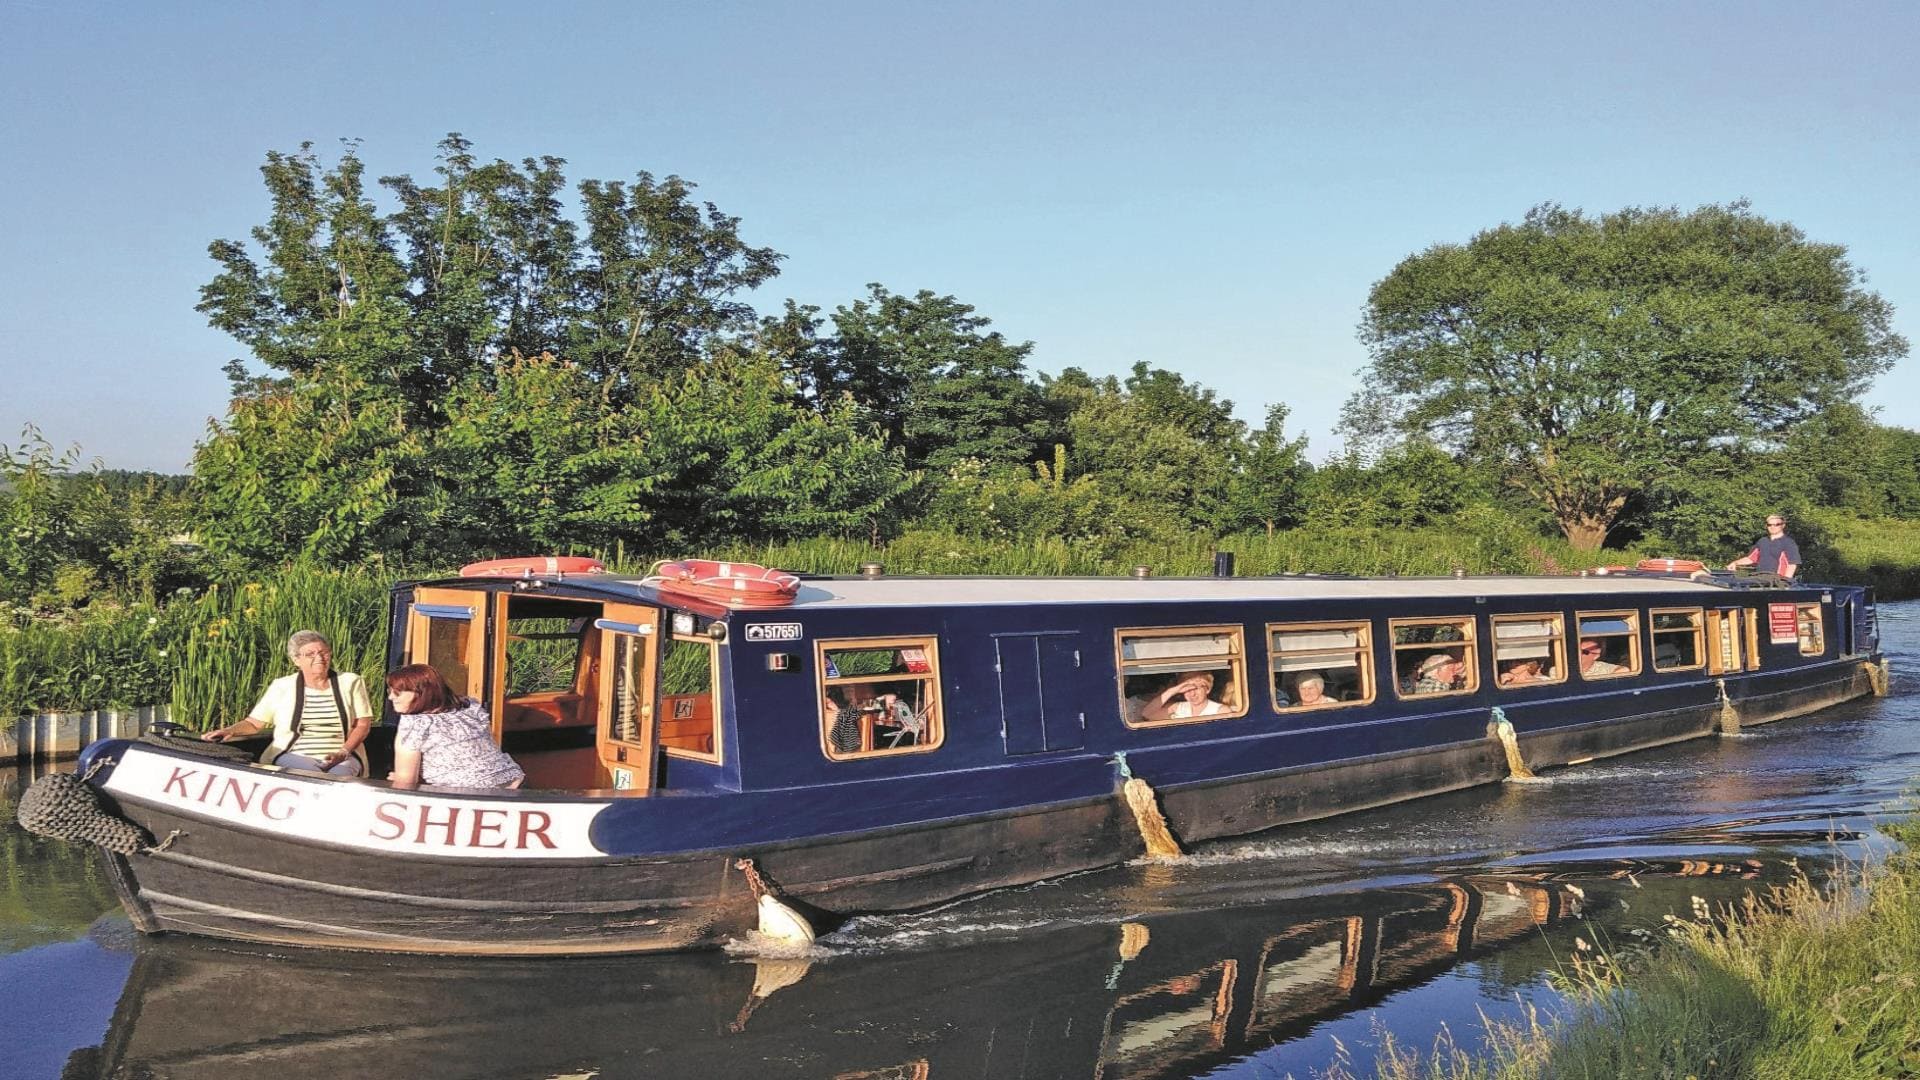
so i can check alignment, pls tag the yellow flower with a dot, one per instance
(249, 612)
(253, 586)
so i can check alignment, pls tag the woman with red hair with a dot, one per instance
(443, 740)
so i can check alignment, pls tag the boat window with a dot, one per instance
(1678, 643)
(449, 644)
(687, 700)
(1723, 641)
(1320, 665)
(1528, 650)
(879, 696)
(1609, 645)
(1182, 676)
(1813, 638)
(1434, 657)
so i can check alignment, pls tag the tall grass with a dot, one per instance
(212, 653)
(1807, 981)
(1478, 547)
(233, 640)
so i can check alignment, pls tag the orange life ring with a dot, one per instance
(1671, 566)
(733, 584)
(537, 566)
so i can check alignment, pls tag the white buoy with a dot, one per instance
(777, 921)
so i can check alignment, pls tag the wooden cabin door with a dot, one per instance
(629, 738)
(1038, 709)
(447, 629)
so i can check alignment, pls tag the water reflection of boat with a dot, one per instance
(1167, 996)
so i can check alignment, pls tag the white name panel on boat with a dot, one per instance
(773, 631)
(358, 815)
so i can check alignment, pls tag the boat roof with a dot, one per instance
(974, 591)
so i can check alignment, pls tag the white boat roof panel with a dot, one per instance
(916, 591)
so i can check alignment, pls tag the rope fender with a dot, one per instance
(65, 807)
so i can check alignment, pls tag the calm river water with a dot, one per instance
(1261, 957)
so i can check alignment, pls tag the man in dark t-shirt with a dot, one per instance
(1774, 553)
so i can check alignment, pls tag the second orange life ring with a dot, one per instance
(733, 584)
(537, 566)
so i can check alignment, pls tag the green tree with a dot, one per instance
(943, 386)
(1590, 358)
(661, 277)
(326, 468)
(1268, 489)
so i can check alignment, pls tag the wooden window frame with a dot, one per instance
(1819, 623)
(1369, 682)
(1632, 637)
(1699, 640)
(1471, 643)
(713, 681)
(1556, 645)
(1236, 663)
(936, 712)
(1718, 630)
(1752, 615)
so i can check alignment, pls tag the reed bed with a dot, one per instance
(233, 639)
(211, 653)
(1807, 980)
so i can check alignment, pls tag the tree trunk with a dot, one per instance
(1586, 532)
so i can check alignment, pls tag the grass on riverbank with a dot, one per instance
(1807, 981)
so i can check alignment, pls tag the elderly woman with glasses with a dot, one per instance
(1774, 553)
(319, 717)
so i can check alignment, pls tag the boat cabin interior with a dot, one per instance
(584, 694)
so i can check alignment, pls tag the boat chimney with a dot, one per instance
(1143, 571)
(871, 570)
(1459, 571)
(1223, 564)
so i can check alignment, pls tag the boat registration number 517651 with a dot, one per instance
(774, 631)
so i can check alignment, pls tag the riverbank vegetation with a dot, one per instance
(494, 362)
(1808, 980)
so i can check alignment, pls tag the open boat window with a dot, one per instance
(1609, 645)
(1320, 665)
(879, 696)
(1182, 675)
(1528, 650)
(1434, 657)
(1678, 640)
(1812, 630)
(689, 672)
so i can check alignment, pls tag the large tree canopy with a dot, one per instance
(1589, 359)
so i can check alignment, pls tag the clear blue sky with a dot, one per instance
(1207, 187)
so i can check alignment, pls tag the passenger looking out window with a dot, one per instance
(1191, 695)
(1609, 644)
(1521, 672)
(1434, 657)
(878, 697)
(1440, 673)
(1320, 665)
(1175, 676)
(1310, 689)
(1528, 649)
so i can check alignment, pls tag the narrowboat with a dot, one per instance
(700, 740)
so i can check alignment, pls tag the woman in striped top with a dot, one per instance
(319, 717)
